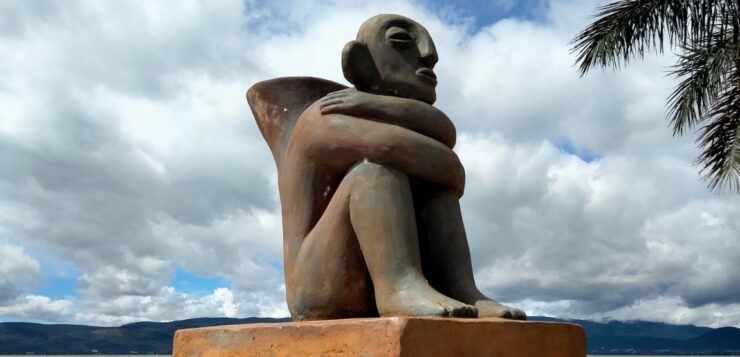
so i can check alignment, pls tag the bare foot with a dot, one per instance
(490, 308)
(413, 296)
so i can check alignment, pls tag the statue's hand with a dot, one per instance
(407, 113)
(347, 102)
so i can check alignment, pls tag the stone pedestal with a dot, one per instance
(394, 336)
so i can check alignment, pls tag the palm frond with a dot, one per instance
(626, 29)
(720, 138)
(704, 68)
(707, 33)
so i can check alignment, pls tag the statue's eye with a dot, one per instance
(398, 35)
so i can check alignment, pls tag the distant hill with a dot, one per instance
(613, 337)
(651, 338)
(135, 338)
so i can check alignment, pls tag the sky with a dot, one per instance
(135, 185)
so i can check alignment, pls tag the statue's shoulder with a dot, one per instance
(277, 104)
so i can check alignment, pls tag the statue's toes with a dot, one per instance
(513, 314)
(506, 314)
(517, 314)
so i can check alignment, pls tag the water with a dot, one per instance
(169, 355)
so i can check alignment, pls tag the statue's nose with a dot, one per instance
(428, 53)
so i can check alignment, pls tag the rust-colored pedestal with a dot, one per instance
(394, 336)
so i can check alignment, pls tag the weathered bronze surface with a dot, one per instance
(369, 185)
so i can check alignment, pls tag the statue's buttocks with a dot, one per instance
(369, 185)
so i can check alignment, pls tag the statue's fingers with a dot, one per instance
(341, 91)
(334, 95)
(330, 102)
(328, 99)
(333, 108)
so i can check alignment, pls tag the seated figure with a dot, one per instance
(369, 185)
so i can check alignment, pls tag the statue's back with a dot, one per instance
(277, 104)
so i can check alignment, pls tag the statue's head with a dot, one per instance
(392, 55)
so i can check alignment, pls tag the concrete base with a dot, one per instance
(393, 336)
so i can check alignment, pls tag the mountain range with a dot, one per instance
(654, 338)
(604, 338)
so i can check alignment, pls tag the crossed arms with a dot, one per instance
(405, 134)
(406, 113)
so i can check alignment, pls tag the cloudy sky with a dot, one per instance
(134, 184)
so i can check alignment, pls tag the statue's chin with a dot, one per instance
(431, 99)
(427, 98)
(426, 95)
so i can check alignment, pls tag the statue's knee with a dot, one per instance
(366, 172)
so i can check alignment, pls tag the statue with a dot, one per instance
(369, 185)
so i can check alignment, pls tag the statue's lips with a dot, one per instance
(427, 74)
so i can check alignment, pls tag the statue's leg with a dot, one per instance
(374, 205)
(446, 256)
(329, 279)
(382, 214)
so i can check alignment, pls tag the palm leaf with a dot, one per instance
(704, 68)
(720, 139)
(707, 33)
(627, 29)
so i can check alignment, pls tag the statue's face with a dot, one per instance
(404, 55)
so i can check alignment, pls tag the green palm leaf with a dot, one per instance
(707, 35)
(720, 139)
(704, 69)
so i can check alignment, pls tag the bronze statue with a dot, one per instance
(369, 185)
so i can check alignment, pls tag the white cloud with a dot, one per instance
(597, 235)
(130, 153)
(167, 304)
(34, 307)
(675, 311)
(18, 272)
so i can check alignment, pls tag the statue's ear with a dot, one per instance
(358, 65)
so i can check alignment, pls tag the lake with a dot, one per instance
(168, 355)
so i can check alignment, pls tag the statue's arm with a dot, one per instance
(408, 113)
(339, 140)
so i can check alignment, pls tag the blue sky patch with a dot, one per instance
(59, 286)
(186, 282)
(277, 264)
(59, 277)
(481, 13)
(565, 145)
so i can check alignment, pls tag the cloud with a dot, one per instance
(130, 161)
(674, 310)
(128, 151)
(596, 235)
(18, 271)
(167, 304)
(36, 307)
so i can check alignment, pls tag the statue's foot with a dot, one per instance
(490, 308)
(415, 297)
